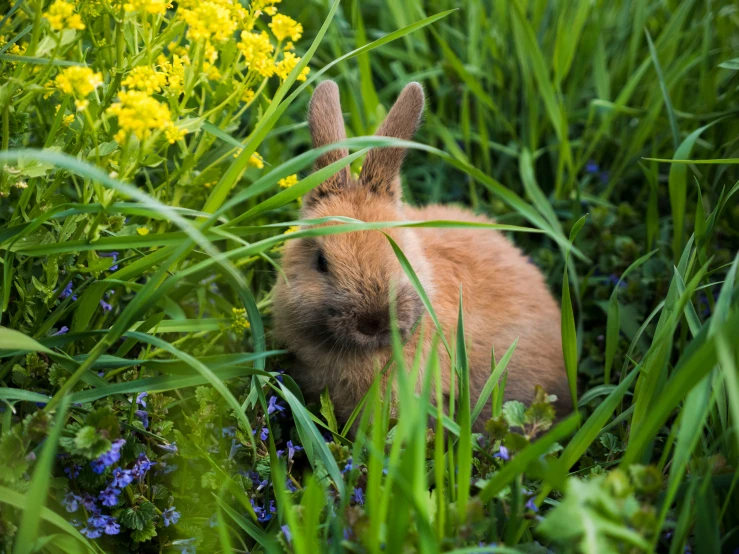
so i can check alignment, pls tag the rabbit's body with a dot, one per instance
(333, 311)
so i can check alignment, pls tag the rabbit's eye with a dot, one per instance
(321, 263)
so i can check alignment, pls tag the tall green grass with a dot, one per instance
(600, 135)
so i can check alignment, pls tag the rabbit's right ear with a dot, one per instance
(326, 123)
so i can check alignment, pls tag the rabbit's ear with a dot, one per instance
(326, 124)
(381, 169)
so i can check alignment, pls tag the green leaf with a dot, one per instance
(514, 413)
(138, 517)
(327, 411)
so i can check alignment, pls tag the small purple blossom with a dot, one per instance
(142, 465)
(531, 506)
(106, 307)
(616, 280)
(228, 432)
(98, 466)
(72, 471)
(111, 526)
(263, 434)
(503, 454)
(170, 516)
(88, 502)
(67, 291)
(168, 447)
(274, 406)
(358, 496)
(144, 417)
(186, 546)
(63, 331)
(109, 497)
(91, 532)
(348, 467)
(591, 167)
(289, 485)
(108, 458)
(141, 398)
(288, 535)
(71, 502)
(235, 447)
(121, 478)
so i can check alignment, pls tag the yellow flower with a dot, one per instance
(143, 231)
(292, 229)
(154, 7)
(78, 81)
(81, 105)
(174, 133)
(239, 323)
(256, 161)
(288, 181)
(67, 120)
(288, 63)
(257, 51)
(207, 20)
(174, 71)
(145, 78)
(283, 26)
(247, 96)
(61, 16)
(139, 114)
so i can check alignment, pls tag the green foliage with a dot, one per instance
(139, 386)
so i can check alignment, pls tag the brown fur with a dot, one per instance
(319, 315)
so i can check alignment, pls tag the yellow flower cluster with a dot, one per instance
(61, 16)
(239, 323)
(174, 71)
(145, 78)
(287, 64)
(78, 81)
(283, 26)
(208, 20)
(288, 181)
(257, 51)
(68, 119)
(255, 160)
(154, 7)
(141, 115)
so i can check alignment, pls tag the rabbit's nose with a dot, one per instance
(373, 324)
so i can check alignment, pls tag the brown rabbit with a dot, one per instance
(333, 311)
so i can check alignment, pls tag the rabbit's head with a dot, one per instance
(336, 298)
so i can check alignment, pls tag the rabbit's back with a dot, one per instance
(505, 298)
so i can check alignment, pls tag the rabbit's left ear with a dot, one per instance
(381, 169)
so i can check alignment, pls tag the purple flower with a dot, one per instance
(358, 496)
(228, 432)
(289, 485)
(592, 167)
(142, 465)
(121, 478)
(64, 330)
(235, 446)
(288, 535)
(71, 502)
(503, 454)
(106, 307)
(88, 502)
(168, 447)
(531, 506)
(170, 516)
(141, 398)
(144, 417)
(98, 466)
(67, 291)
(98, 520)
(73, 471)
(91, 532)
(348, 467)
(263, 434)
(109, 497)
(111, 526)
(292, 449)
(274, 406)
(109, 458)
